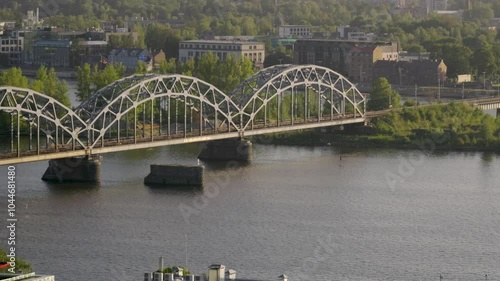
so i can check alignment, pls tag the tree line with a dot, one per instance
(466, 46)
(223, 74)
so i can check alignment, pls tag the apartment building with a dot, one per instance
(361, 59)
(286, 31)
(255, 51)
(334, 54)
(11, 47)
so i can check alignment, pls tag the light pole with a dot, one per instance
(484, 80)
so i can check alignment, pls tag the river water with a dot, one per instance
(302, 211)
(311, 213)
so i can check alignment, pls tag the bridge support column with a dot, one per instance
(227, 150)
(175, 175)
(498, 112)
(74, 169)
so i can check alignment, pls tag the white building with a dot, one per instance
(33, 20)
(361, 36)
(12, 46)
(286, 31)
(255, 51)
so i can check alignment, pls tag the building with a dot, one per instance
(331, 53)
(26, 277)
(216, 272)
(32, 20)
(421, 73)
(130, 58)
(360, 60)
(7, 25)
(301, 31)
(436, 5)
(361, 36)
(255, 51)
(11, 48)
(158, 58)
(52, 53)
(405, 56)
(91, 52)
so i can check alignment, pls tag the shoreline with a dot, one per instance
(326, 140)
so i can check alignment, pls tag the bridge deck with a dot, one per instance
(141, 143)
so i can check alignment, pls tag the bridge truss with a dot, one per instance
(157, 108)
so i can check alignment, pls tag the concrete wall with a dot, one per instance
(175, 175)
(74, 169)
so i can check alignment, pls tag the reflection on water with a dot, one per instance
(292, 210)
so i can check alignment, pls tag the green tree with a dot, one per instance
(488, 127)
(13, 77)
(207, 68)
(46, 82)
(21, 265)
(382, 95)
(84, 82)
(168, 67)
(141, 68)
(102, 78)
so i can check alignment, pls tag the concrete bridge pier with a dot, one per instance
(227, 150)
(498, 112)
(74, 169)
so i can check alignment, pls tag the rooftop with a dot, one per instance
(221, 42)
(53, 43)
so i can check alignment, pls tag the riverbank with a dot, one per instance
(353, 140)
(454, 126)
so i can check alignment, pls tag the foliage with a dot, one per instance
(46, 82)
(13, 77)
(457, 124)
(90, 79)
(21, 265)
(170, 269)
(167, 67)
(382, 96)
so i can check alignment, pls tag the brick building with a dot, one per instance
(421, 73)
(334, 53)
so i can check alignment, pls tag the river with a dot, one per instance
(302, 211)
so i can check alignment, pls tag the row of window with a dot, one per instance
(11, 49)
(211, 47)
(216, 47)
(11, 42)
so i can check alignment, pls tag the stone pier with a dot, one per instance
(175, 175)
(74, 169)
(227, 150)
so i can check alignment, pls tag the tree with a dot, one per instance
(13, 77)
(232, 72)
(207, 68)
(84, 82)
(108, 75)
(488, 127)
(382, 95)
(141, 68)
(46, 82)
(168, 67)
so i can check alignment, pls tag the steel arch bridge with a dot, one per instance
(143, 111)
